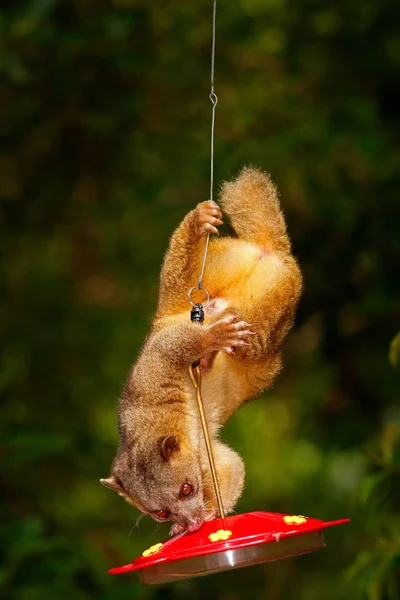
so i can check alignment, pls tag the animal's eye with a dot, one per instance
(186, 490)
(161, 514)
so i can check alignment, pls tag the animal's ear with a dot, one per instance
(114, 483)
(168, 446)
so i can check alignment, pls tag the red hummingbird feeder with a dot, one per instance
(227, 542)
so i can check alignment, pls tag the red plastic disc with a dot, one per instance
(233, 542)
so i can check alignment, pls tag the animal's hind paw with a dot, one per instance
(208, 217)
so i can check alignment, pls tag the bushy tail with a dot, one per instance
(251, 201)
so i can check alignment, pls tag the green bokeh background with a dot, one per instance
(106, 116)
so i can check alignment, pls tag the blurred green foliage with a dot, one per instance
(106, 115)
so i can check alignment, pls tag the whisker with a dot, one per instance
(207, 479)
(212, 501)
(140, 517)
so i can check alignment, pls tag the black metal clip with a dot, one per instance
(197, 316)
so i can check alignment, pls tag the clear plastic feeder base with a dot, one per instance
(230, 559)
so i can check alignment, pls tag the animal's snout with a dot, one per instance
(194, 524)
(190, 520)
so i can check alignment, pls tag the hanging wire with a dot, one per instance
(214, 101)
(195, 375)
(194, 370)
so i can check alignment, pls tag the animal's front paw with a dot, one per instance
(176, 529)
(228, 333)
(208, 217)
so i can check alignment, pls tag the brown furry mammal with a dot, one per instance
(161, 465)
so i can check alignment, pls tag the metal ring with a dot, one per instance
(196, 287)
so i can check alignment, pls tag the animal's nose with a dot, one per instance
(194, 525)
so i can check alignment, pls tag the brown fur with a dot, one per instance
(251, 279)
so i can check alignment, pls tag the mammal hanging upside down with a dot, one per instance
(254, 282)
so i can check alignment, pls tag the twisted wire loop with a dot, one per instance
(214, 101)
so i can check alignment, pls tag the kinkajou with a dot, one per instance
(255, 283)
